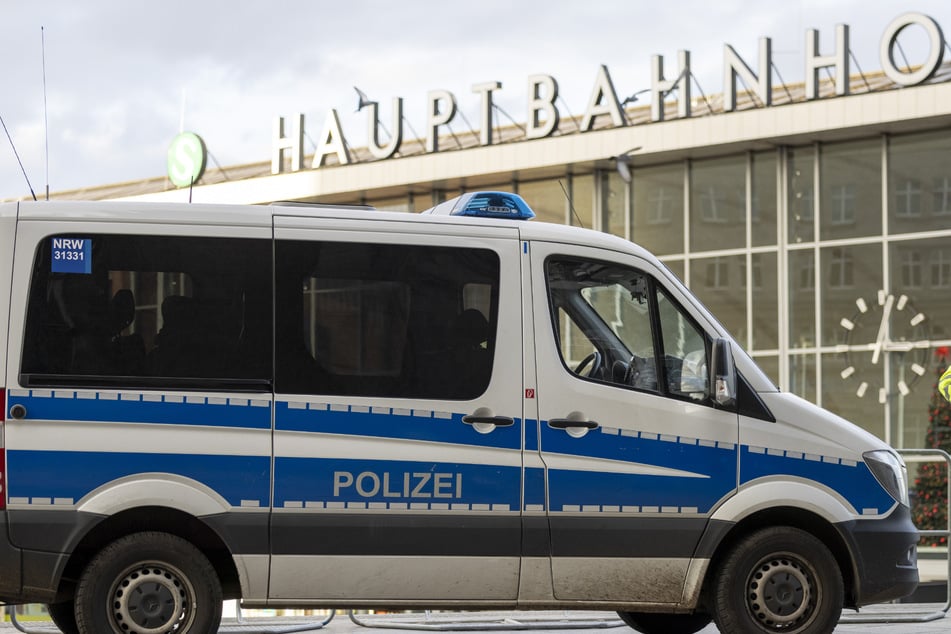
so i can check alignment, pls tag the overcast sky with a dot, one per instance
(122, 75)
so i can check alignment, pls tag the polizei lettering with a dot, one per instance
(419, 485)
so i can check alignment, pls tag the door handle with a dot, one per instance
(575, 424)
(565, 423)
(498, 421)
(485, 422)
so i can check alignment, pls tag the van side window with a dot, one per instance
(387, 320)
(602, 314)
(612, 326)
(148, 311)
(685, 350)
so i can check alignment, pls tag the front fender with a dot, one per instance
(791, 492)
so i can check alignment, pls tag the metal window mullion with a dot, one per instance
(782, 266)
(598, 207)
(749, 253)
(686, 214)
(569, 187)
(628, 208)
(817, 264)
(886, 284)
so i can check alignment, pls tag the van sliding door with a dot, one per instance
(398, 420)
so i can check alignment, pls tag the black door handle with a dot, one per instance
(565, 423)
(498, 421)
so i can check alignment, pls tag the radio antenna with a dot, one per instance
(46, 123)
(17, 154)
(571, 205)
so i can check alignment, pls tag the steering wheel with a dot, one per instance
(595, 360)
(630, 372)
(641, 373)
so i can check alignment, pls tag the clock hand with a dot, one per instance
(882, 329)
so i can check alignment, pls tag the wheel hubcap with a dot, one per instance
(151, 599)
(780, 593)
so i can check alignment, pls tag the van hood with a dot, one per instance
(813, 425)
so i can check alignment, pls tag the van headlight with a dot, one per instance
(891, 473)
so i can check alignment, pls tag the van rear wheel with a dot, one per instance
(656, 623)
(149, 583)
(779, 579)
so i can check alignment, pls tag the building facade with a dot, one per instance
(814, 219)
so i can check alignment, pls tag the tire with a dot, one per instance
(657, 623)
(149, 583)
(63, 616)
(778, 579)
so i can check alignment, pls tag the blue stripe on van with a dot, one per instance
(410, 426)
(310, 482)
(531, 435)
(74, 474)
(853, 481)
(577, 490)
(66, 406)
(683, 454)
(708, 472)
(534, 487)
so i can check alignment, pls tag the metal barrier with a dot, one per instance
(241, 625)
(427, 621)
(924, 612)
(487, 621)
(245, 626)
(11, 610)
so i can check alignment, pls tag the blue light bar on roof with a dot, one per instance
(485, 205)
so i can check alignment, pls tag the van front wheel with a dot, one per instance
(779, 579)
(657, 623)
(149, 583)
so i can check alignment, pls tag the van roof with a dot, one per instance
(261, 216)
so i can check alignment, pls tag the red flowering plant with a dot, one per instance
(930, 504)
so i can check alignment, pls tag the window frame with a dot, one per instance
(38, 308)
(463, 283)
(653, 288)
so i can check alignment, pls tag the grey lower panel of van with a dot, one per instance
(377, 578)
(642, 579)
(401, 535)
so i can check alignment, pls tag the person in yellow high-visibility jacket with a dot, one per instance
(944, 384)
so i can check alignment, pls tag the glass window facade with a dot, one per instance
(801, 251)
(718, 203)
(850, 179)
(919, 179)
(658, 210)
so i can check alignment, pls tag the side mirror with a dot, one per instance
(723, 374)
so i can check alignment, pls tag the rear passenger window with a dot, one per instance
(385, 320)
(148, 311)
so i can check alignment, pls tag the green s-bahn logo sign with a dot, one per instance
(187, 157)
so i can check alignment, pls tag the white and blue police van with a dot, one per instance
(302, 406)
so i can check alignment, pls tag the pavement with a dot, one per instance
(882, 619)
